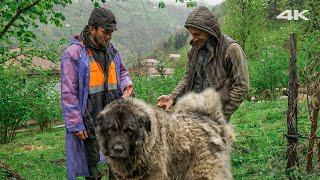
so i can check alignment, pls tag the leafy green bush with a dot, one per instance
(23, 98)
(43, 101)
(13, 104)
(149, 88)
(270, 71)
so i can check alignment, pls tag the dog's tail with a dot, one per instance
(207, 102)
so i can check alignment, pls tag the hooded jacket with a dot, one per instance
(226, 70)
(75, 74)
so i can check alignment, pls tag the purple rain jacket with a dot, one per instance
(75, 73)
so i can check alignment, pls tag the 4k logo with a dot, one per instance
(292, 15)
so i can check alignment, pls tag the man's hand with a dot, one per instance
(81, 134)
(128, 91)
(165, 102)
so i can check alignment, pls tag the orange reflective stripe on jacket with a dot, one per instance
(96, 74)
(112, 76)
(97, 77)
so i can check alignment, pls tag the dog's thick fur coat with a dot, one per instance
(193, 142)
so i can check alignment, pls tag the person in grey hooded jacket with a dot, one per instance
(214, 60)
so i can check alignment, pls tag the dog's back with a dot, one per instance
(199, 138)
(207, 103)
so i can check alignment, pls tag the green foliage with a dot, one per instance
(37, 155)
(160, 85)
(189, 3)
(244, 20)
(260, 145)
(266, 40)
(269, 71)
(13, 104)
(162, 5)
(43, 101)
(175, 43)
(22, 98)
(19, 17)
(181, 38)
(192, 3)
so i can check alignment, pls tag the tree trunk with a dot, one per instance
(292, 131)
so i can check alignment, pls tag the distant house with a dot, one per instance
(174, 56)
(150, 62)
(36, 62)
(165, 72)
(149, 67)
(45, 64)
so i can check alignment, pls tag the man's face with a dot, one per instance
(199, 37)
(100, 36)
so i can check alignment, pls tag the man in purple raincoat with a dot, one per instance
(92, 75)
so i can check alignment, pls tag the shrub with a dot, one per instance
(13, 104)
(43, 101)
(270, 71)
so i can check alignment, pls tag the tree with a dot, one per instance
(19, 18)
(244, 19)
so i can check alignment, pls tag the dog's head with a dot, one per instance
(122, 128)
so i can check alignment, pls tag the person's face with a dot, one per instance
(100, 36)
(199, 37)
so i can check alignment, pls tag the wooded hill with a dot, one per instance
(141, 24)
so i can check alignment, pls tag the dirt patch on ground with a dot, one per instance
(58, 162)
(8, 172)
(28, 147)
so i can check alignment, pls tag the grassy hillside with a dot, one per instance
(258, 153)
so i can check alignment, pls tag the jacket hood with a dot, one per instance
(76, 39)
(202, 18)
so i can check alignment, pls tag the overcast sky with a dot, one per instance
(208, 2)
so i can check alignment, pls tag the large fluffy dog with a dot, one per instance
(141, 142)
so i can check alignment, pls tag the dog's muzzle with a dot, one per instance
(118, 151)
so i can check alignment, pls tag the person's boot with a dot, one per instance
(94, 174)
(94, 177)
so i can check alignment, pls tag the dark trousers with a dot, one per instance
(92, 155)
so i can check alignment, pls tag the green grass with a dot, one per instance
(149, 88)
(260, 145)
(37, 155)
(2, 173)
(259, 148)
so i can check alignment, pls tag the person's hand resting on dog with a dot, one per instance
(128, 91)
(165, 102)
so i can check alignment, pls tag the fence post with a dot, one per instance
(292, 131)
(314, 119)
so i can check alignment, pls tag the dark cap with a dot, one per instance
(104, 18)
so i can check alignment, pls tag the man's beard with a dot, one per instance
(99, 44)
(199, 45)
